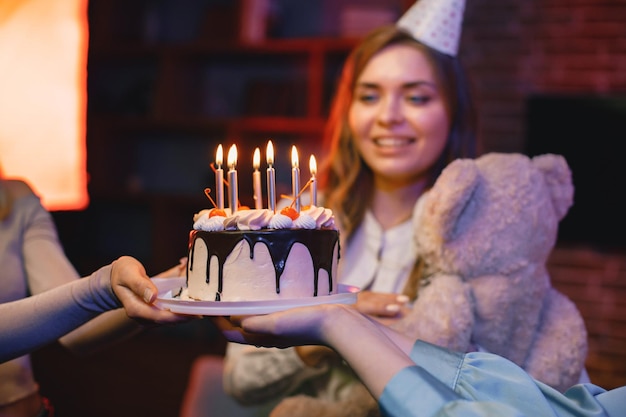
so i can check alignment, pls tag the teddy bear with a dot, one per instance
(483, 234)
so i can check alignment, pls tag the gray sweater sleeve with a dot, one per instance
(30, 323)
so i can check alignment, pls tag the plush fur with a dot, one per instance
(484, 232)
(491, 223)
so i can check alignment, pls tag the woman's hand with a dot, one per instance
(295, 327)
(385, 307)
(374, 352)
(137, 293)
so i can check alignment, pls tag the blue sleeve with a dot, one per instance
(479, 384)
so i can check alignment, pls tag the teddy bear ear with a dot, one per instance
(558, 178)
(450, 195)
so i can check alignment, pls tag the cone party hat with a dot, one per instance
(436, 23)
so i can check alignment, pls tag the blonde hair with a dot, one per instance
(344, 174)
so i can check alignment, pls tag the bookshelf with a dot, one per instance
(169, 81)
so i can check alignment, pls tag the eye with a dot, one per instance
(418, 99)
(367, 97)
(366, 93)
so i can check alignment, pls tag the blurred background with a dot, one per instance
(168, 81)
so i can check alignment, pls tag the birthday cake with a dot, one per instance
(259, 255)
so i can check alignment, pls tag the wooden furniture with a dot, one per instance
(168, 84)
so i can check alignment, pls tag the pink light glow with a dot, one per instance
(43, 74)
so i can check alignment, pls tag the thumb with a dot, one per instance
(129, 274)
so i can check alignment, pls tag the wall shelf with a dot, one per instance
(160, 103)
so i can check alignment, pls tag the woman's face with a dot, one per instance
(398, 116)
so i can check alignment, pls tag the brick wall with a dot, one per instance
(515, 49)
(596, 282)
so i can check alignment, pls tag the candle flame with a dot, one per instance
(256, 159)
(270, 153)
(294, 157)
(232, 156)
(313, 165)
(219, 156)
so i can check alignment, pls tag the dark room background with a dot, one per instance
(168, 81)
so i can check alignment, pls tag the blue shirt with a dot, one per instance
(481, 384)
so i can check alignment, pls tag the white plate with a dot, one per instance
(347, 295)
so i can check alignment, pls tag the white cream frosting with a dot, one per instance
(249, 220)
(255, 219)
(248, 278)
(280, 221)
(253, 278)
(323, 217)
(304, 221)
(209, 224)
(201, 213)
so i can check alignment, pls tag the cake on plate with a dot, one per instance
(259, 255)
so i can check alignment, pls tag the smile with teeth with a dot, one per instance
(393, 141)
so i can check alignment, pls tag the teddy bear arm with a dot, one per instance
(507, 313)
(557, 356)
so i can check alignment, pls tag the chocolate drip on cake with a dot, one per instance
(320, 244)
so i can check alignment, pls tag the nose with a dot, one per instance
(390, 112)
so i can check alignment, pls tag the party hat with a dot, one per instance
(436, 23)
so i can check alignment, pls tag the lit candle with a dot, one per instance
(219, 178)
(271, 177)
(313, 168)
(232, 179)
(295, 177)
(256, 179)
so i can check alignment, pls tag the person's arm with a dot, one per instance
(445, 383)
(256, 375)
(419, 379)
(355, 337)
(29, 323)
(47, 267)
(110, 327)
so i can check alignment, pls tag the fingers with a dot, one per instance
(381, 304)
(137, 293)
(150, 314)
(127, 273)
(231, 328)
(293, 327)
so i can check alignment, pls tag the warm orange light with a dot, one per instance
(219, 156)
(269, 153)
(43, 45)
(295, 162)
(232, 157)
(256, 179)
(313, 165)
(256, 159)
